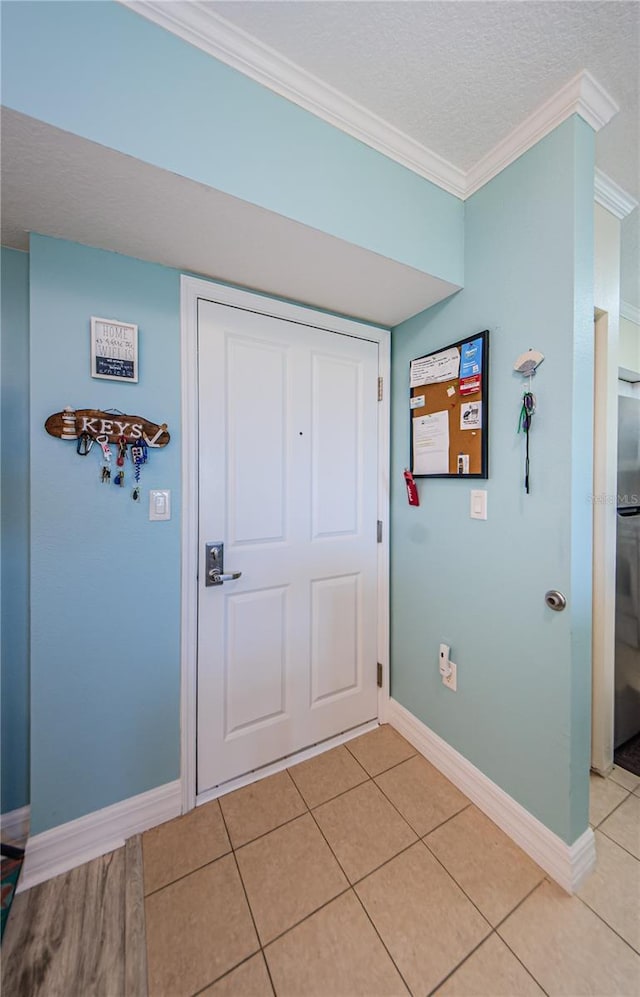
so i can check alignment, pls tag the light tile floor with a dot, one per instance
(364, 871)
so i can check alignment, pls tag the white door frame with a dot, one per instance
(191, 289)
(605, 484)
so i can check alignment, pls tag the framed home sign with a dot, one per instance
(114, 349)
(449, 410)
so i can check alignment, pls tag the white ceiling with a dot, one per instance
(457, 76)
(64, 186)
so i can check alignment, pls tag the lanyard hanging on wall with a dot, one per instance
(526, 415)
(527, 365)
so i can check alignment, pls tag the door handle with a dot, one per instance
(217, 577)
(214, 565)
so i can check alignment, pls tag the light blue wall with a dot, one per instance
(105, 582)
(14, 472)
(101, 71)
(522, 710)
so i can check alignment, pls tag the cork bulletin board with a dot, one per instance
(449, 406)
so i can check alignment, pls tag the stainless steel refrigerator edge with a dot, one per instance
(627, 663)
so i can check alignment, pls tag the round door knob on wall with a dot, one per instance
(555, 600)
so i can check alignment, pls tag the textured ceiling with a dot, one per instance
(459, 76)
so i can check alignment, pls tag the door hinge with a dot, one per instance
(380, 390)
(379, 533)
(379, 676)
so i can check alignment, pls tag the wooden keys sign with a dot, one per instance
(132, 436)
(71, 424)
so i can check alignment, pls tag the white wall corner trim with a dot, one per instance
(197, 24)
(200, 26)
(568, 865)
(14, 825)
(69, 845)
(630, 312)
(613, 197)
(582, 95)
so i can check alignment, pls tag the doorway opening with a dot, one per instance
(287, 464)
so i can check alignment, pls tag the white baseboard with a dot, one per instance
(69, 845)
(14, 825)
(568, 865)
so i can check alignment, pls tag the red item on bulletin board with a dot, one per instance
(412, 489)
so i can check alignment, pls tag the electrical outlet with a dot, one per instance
(451, 679)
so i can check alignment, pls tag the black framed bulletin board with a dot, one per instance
(449, 402)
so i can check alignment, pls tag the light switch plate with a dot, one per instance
(159, 504)
(478, 504)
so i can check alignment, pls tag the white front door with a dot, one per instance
(288, 474)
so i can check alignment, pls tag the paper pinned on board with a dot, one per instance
(431, 443)
(437, 367)
(471, 415)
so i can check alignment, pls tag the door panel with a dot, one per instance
(256, 380)
(288, 482)
(337, 398)
(255, 633)
(336, 621)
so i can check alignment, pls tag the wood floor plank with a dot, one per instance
(135, 944)
(65, 937)
(100, 965)
(40, 939)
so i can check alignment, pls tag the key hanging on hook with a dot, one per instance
(84, 444)
(122, 451)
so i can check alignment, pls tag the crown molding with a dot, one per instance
(582, 95)
(612, 197)
(200, 26)
(630, 312)
(197, 24)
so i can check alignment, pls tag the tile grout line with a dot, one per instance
(358, 900)
(251, 954)
(391, 859)
(395, 764)
(352, 885)
(446, 820)
(456, 883)
(228, 972)
(406, 819)
(617, 806)
(617, 843)
(382, 941)
(610, 778)
(616, 765)
(342, 792)
(505, 942)
(246, 897)
(197, 868)
(545, 879)
(382, 864)
(526, 968)
(461, 963)
(306, 917)
(349, 886)
(424, 842)
(609, 926)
